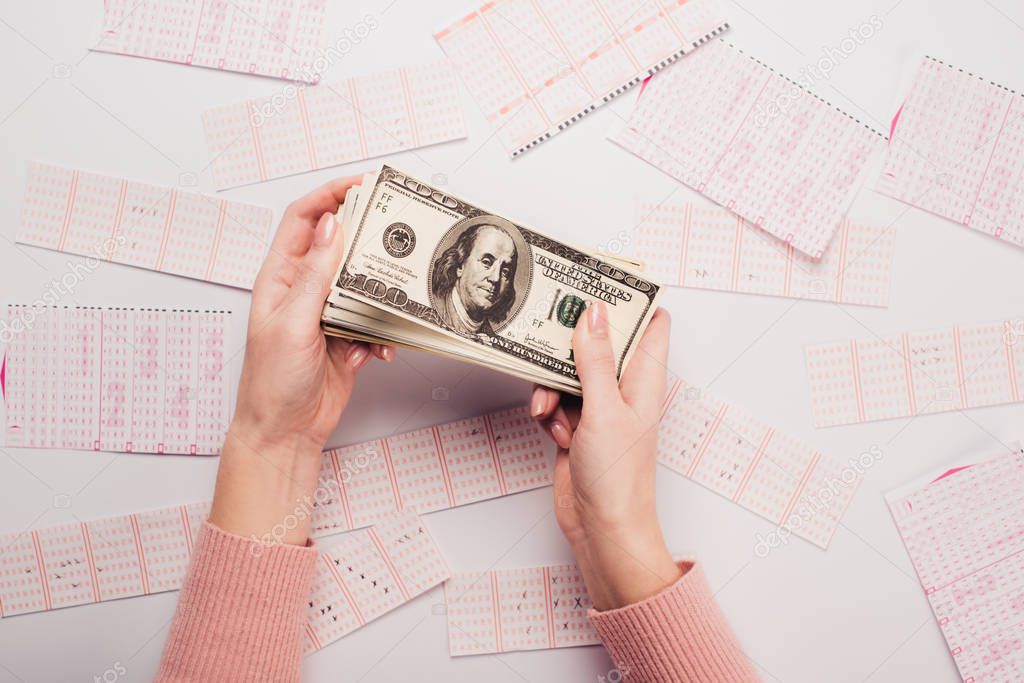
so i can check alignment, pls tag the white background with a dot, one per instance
(852, 613)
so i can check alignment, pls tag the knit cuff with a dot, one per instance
(241, 613)
(677, 635)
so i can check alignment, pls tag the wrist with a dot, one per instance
(629, 523)
(264, 433)
(625, 564)
(266, 484)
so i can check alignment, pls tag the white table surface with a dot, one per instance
(852, 613)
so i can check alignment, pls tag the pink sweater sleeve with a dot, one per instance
(241, 613)
(241, 616)
(677, 635)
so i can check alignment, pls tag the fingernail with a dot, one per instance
(366, 358)
(389, 354)
(537, 402)
(324, 230)
(598, 319)
(560, 435)
(357, 356)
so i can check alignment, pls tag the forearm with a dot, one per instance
(241, 612)
(679, 634)
(265, 485)
(656, 617)
(623, 565)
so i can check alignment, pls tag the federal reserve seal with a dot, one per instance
(570, 308)
(399, 240)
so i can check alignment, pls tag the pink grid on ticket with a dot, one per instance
(537, 67)
(368, 573)
(334, 123)
(917, 373)
(687, 245)
(278, 38)
(753, 141)
(957, 150)
(518, 609)
(106, 559)
(116, 379)
(749, 462)
(964, 532)
(435, 468)
(148, 226)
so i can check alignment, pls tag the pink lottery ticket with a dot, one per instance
(537, 67)
(957, 150)
(753, 141)
(278, 38)
(366, 574)
(148, 226)
(306, 129)
(116, 379)
(712, 248)
(964, 531)
(436, 468)
(106, 559)
(917, 373)
(517, 609)
(371, 572)
(767, 472)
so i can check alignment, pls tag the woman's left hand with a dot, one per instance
(295, 381)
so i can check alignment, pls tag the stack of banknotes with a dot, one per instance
(427, 270)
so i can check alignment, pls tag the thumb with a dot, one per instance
(595, 362)
(643, 380)
(318, 268)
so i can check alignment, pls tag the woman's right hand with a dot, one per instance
(604, 479)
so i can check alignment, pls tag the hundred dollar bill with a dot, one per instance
(426, 269)
(345, 317)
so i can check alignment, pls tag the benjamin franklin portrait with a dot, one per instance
(475, 281)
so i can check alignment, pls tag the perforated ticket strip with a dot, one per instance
(536, 68)
(132, 380)
(688, 245)
(964, 532)
(278, 38)
(369, 573)
(305, 129)
(753, 141)
(506, 610)
(148, 226)
(436, 468)
(752, 464)
(957, 150)
(366, 574)
(917, 373)
(87, 562)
